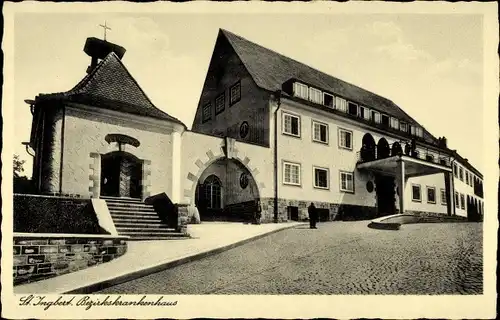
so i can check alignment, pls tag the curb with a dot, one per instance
(100, 285)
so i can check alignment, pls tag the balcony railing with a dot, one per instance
(370, 153)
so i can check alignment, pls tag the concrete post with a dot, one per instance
(401, 184)
(450, 193)
(176, 167)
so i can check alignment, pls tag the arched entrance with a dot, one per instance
(226, 191)
(368, 148)
(383, 149)
(121, 175)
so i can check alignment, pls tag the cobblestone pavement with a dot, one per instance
(337, 258)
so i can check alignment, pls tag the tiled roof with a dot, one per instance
(270, 70)
(111, 86)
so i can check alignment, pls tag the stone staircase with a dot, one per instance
(139, 221)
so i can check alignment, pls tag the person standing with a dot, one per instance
(313, 216)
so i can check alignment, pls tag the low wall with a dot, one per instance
(42, 256)
(54, 214)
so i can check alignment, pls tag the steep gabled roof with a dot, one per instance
(110, 86)
(270, 70)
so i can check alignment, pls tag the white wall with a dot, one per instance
(199, 151)
(85, 133)
(308, 153)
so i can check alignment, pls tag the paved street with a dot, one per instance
(337, 258)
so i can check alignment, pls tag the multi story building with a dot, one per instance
(269, 132)
(351, 152)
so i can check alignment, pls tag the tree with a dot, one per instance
(18, 166)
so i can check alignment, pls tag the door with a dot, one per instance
(386, 195)
(293, 213)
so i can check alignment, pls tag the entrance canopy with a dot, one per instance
(413, 167)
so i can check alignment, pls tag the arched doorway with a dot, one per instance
(226, 191)
(383, 150)
(396, 149)
(121, 175)
(368, 148)
(210, 194)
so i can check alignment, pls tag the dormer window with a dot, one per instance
(352, 108)
(315, 95)
(385, 120)
(328, 100)
(394, 123)
(403, 126)
(364, 113)
(376, 116)
(417, 131)
(341, 104)
(300, 90)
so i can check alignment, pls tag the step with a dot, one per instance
(141, 225)
(124, 199)
(129, 205)
(125, 210)
(130, 219)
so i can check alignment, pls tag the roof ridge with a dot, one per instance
(304, 64)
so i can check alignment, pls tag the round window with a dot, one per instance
(243, 180)
(369, 186)
(244, 129)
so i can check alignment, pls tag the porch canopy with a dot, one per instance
(412, 167)
(403, 167)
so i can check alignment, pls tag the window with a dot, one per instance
(320, 132)
(291, 124)
(328, 100)
(415, 193)
(376, 116)
(345, 139)
(315, 95)
(455, 170)
(219, 104)
(364, 113)
(385, 120)
(403, 127)
(291, 173)
(212, 194)
(461, 174)
(467, 177)
(300, 90)
(207, 112)
(417, 131)
(462, 201)
(235, 93)
(352, 108)
(443, 197)
(431, 195)
(341, 104)
(320, 178)
(457, 200)
(394, 123)
(346, 181)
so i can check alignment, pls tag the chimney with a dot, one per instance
(98, 49)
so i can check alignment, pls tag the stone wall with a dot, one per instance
(337, 211)
(42, 256)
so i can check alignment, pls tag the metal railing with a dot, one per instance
(369, 153)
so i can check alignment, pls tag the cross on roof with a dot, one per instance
(105, 27)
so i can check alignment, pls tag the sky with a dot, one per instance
(429, 65)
